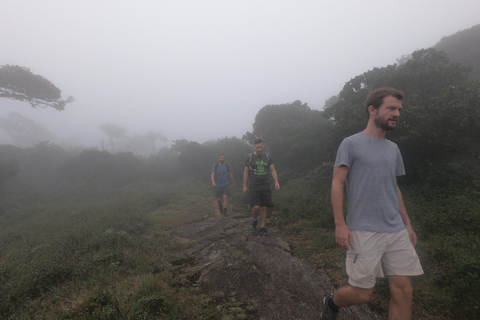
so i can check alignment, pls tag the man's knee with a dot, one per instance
(400, 287)
(364, 295)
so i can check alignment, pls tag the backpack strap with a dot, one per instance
(250, 159)
(226, 164)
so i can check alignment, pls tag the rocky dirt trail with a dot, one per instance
(258, 271)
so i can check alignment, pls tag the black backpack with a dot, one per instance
(226, 164)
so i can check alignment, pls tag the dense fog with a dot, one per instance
(200, 70)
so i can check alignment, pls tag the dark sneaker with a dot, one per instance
(254, 226)
(327, 313)
(263, 232)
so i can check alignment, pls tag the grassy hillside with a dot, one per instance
(100, 253)
(447, 223)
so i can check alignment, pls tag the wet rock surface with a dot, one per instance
(258, 271)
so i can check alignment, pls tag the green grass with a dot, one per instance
(100, 255)
(447, 226)
(106, 253)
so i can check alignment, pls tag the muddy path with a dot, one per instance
(257, 271)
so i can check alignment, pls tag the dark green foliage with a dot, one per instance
(464, 283)
(154, 305)
(440, 117)
(8, 169)
(90, 166)
(10, 158)
(19, 83)
(307, 197)
(294, 134)
(235, 151)
(101, 305)
(195, 158)
(463, 47)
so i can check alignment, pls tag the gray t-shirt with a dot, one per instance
(373, 166)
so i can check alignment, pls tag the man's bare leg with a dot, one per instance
(349, 296)
(401, 292)
(263, 216)
(225, 203)
(256, 212)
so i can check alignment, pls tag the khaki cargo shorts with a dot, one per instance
(375, 255)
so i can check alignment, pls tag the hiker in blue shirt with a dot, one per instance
(221, 171)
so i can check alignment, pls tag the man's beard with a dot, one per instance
(383, 124)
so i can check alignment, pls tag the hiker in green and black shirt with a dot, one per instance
(257, 166)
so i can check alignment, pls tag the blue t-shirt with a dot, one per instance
(221, 176)
(372, 189)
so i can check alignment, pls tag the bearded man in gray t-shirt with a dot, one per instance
(377, 232)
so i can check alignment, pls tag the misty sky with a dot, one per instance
(201, 70)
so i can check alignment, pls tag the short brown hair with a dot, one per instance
(258, 140)
(375, 98)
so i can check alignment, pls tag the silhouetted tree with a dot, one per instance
(19, 83)
(113, 132)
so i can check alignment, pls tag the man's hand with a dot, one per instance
(277, 186)
(245, 189)
(412, 235)
(214, 184)
(343, 236)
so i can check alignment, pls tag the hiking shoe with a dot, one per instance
(254, 226)
(327, 313)
(263, 232)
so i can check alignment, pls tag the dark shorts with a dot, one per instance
(261, 196)
(220, 191)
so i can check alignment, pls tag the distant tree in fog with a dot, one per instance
(153, 137)
(19, 83)
(90, 166)
(113, 132)
(143, 144)
(24, 131)
(195, 158)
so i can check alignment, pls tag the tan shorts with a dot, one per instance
(374, 255)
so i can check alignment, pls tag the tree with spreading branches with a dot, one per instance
(19, 83)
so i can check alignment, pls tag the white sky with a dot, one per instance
(201, 70)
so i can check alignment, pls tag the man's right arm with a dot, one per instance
(342, 234)
(246, 172)
(213, 179)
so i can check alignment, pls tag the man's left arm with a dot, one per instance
(273, 172)
(406, 219)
